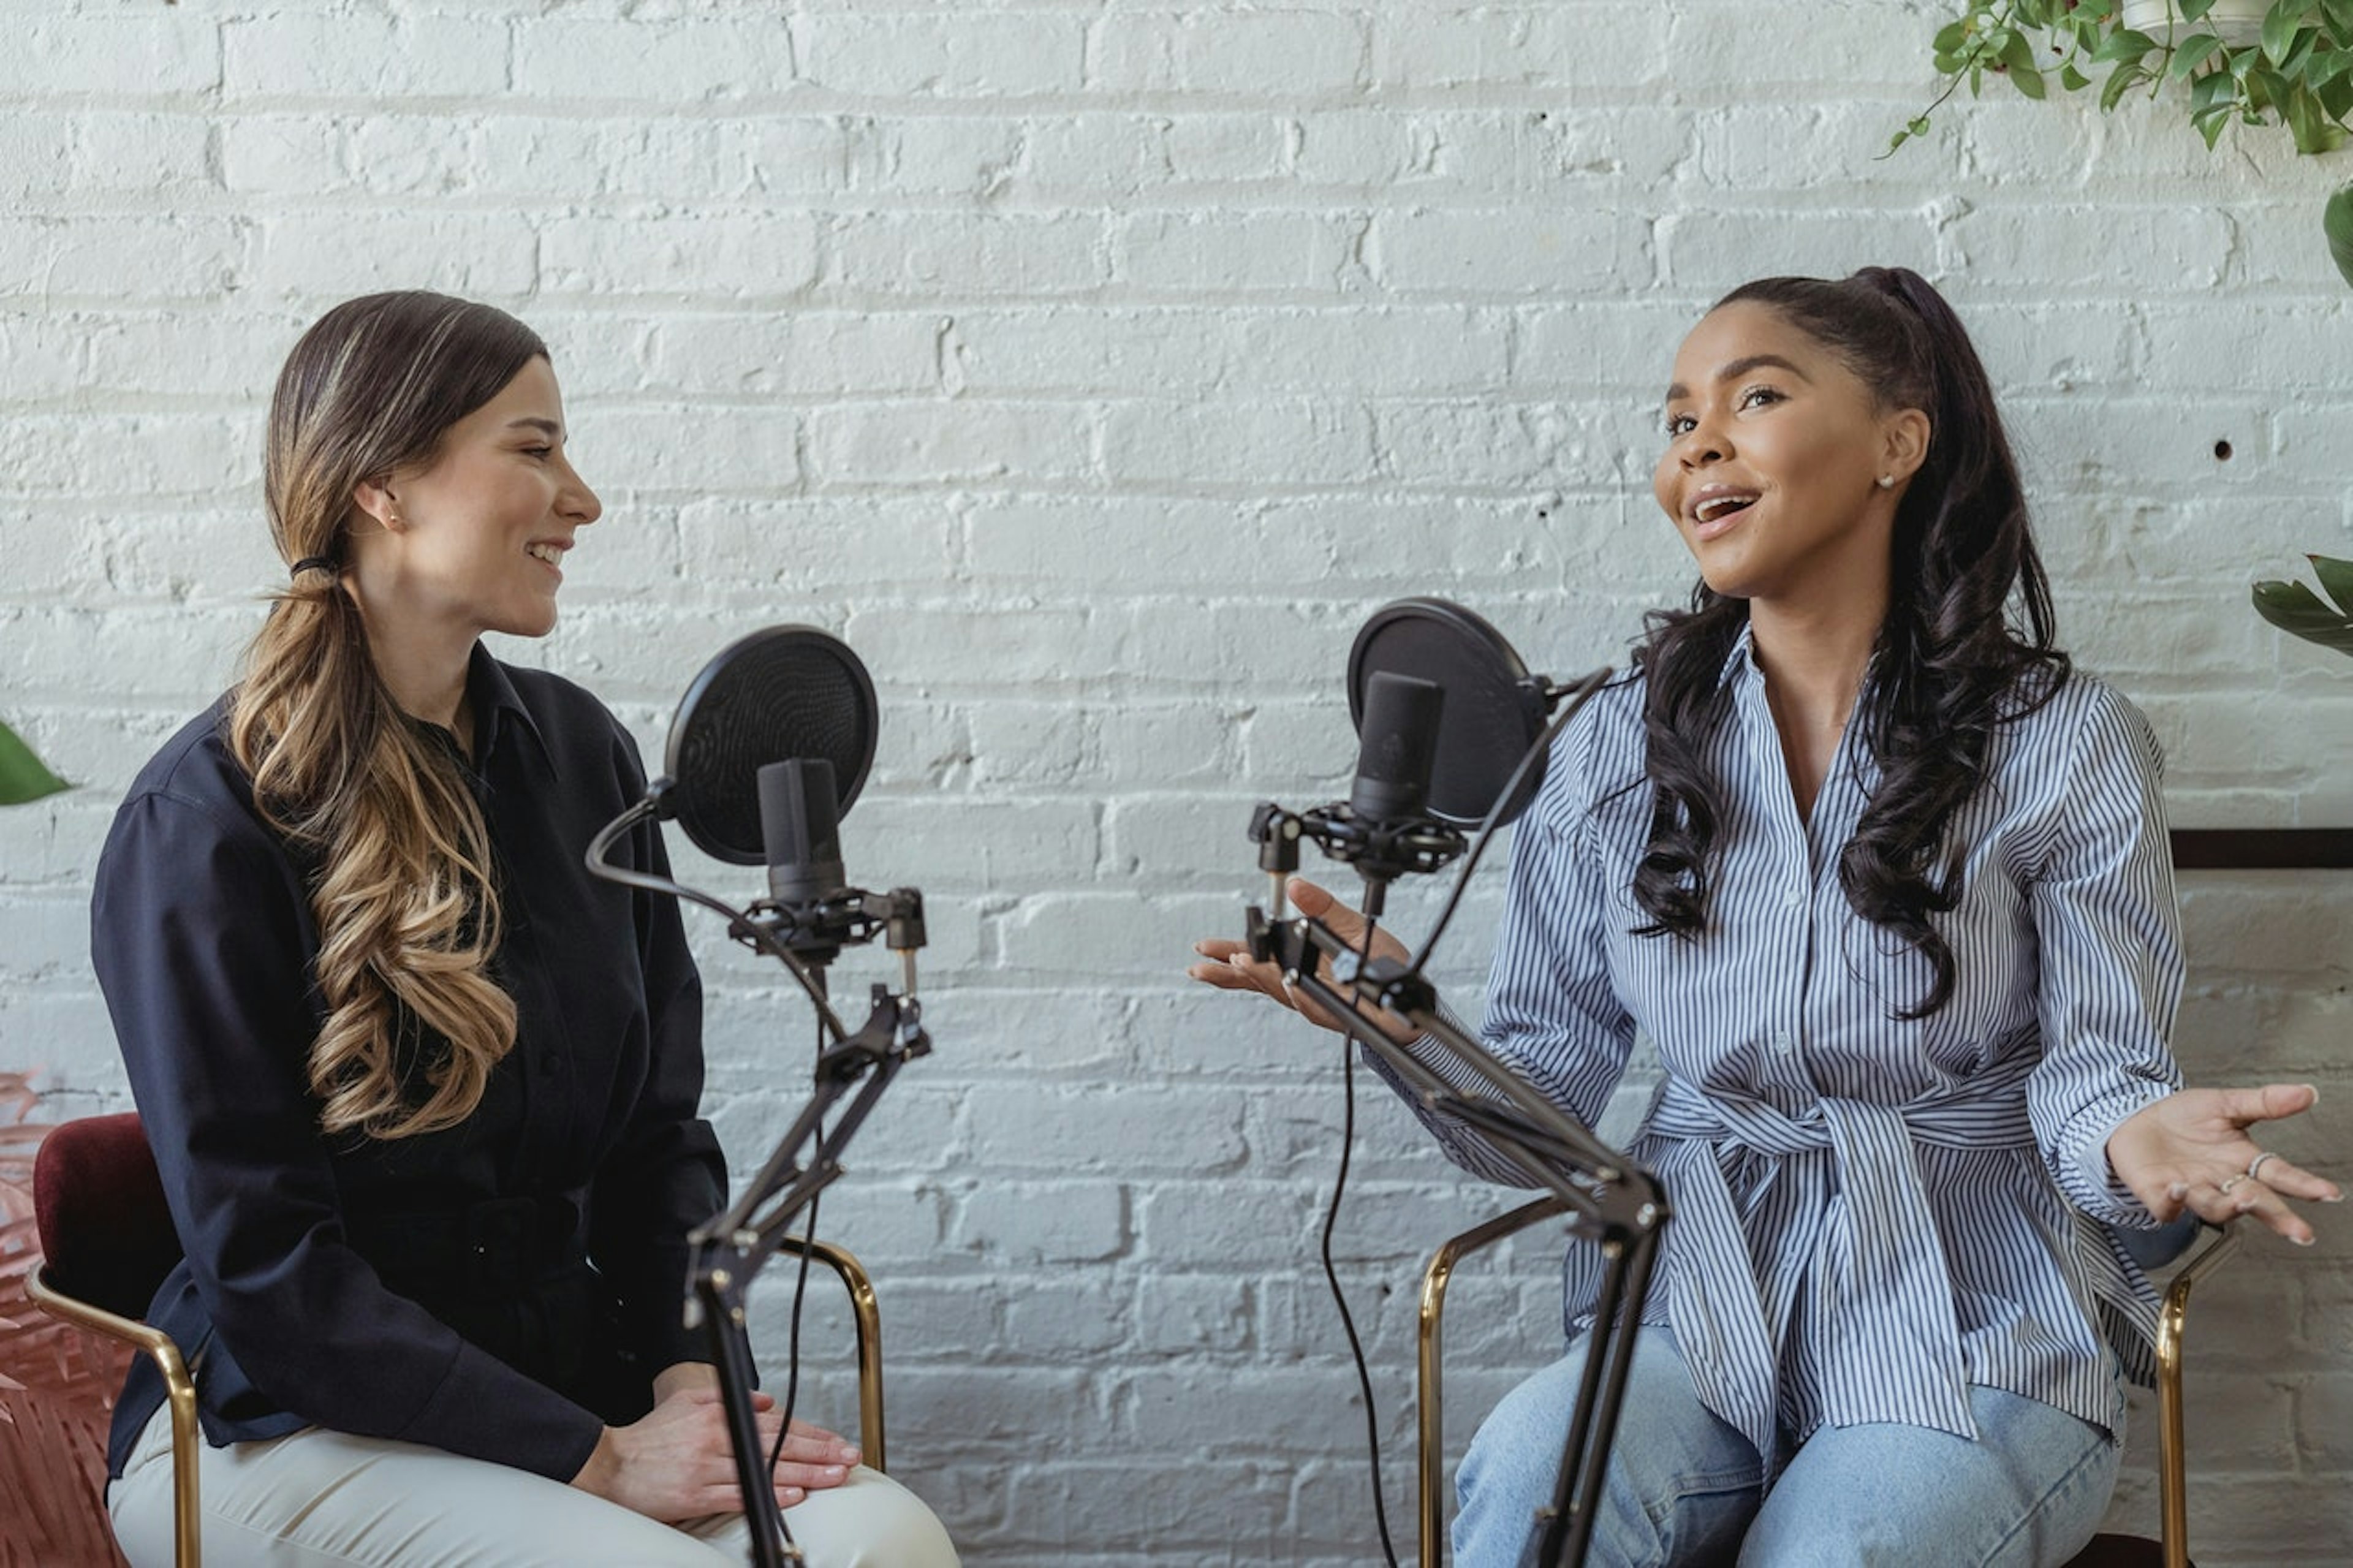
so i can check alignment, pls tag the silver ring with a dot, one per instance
(2256, 1164)
(2225, 1187)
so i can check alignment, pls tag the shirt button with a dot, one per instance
(1794, 897)
(1783, 1044)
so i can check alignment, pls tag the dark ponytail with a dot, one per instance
(1951, 662)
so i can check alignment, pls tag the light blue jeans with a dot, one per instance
(1685, 1489)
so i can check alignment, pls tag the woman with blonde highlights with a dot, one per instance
(423, 1092)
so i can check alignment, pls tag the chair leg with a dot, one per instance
(1429, 1407)
(2173, 1463)
(869, 1317)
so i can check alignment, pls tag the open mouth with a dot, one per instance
(547, 552)
(1718, 508)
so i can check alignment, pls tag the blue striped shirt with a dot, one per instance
(1870, 1213)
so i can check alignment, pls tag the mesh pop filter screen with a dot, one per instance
(1494, 712)
(784, 692)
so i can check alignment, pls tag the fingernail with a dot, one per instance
(2177, 1191)
(2301, 1240)
(834, 1472)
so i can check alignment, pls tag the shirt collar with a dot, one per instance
(498, 710)
(1739, 656)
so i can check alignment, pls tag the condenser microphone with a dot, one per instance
(801, 831)
(1397, 747)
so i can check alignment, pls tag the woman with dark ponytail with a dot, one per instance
(1888, 885)
(423, 1092)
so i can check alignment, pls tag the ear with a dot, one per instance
(374, 497)
(1904, 443)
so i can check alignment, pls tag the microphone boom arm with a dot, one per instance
(1615, 1202)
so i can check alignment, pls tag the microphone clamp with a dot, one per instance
(816, 930)
(1380, 849)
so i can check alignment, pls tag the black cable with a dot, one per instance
(742, 930)
(1332, 1274)
(800, 1293)
(1578, 695)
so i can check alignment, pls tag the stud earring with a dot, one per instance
(1887, 481)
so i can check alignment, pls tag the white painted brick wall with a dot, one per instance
(1095, 367)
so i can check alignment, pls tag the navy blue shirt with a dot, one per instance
(501, 1289)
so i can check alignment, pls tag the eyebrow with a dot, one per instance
(1742, 367)
(549, 427)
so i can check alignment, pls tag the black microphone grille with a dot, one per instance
(783, 693)
(1397, 746)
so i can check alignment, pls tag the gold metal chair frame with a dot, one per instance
(869, 1316)
(179, 1392)
(1431, 1469)
(180, 1387)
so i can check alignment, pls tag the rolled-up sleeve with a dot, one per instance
(1552, 1015)
(2109, 937)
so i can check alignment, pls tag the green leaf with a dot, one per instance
(2192, 10)
(23, 776)
(2314, 132)
(2336, 223)
(2280, 24)
(2073, 79)
(2191, 55)
(2029, 80)
(1950, 37)
(2124, 45)
(2015, 52)
(2336, 579)
(2340, 19)
(2296, 610)
(2120, 81)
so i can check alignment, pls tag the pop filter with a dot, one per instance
(781, 693)
(1494, 711)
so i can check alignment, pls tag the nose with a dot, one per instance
(1700, 445)
(576, 501)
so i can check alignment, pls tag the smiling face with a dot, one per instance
(1775, 450)
(474, 542)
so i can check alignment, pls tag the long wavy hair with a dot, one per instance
(395, 845)
(1966, 646)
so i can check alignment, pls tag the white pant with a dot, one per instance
(315, 1498)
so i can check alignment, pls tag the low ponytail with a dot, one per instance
(396, 846)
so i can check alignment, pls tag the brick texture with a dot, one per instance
(1095, 369)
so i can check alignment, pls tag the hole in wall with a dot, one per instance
(2222, 451)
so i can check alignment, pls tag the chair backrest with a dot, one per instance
(106, 1232)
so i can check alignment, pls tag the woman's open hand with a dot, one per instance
(1228, 966)
(676, 1461)
(2192, 1150)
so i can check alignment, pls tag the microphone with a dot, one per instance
(1397, 747)
(801, 831)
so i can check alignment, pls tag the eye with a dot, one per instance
(541, 453)
(1677, 423)
(1760, 397)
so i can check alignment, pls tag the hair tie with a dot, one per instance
(310, 562)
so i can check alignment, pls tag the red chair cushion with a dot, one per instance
(106, 1233)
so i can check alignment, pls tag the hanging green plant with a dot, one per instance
(23, 776)
(2249, 62)
(2291, 67)
(2337, 221)
(2294, 608)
